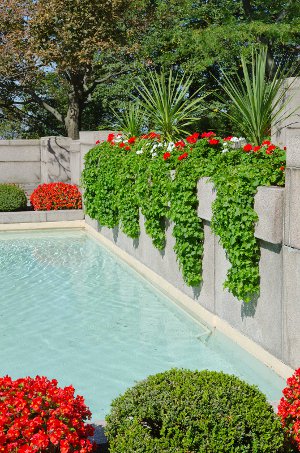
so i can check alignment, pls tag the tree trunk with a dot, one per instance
(73, 118)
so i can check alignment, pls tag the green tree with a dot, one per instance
(66, 39)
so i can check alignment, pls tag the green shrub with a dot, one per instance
(12, 198)
(193, 411)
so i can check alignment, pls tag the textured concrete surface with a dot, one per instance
(260, 319)
(41, 216)
(282, 130)
(293, 146)
(292, 208)
(268, 204)
(20, 172)
(291, 306)
(206, 196)
(55, 159)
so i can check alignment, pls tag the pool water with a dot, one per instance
(71, 310)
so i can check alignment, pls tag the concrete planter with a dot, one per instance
(41, 216)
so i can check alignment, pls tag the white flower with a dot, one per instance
(235, 139)
(154, 154)
(140, 151)
(171, 146)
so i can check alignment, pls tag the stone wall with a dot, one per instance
(32, 162)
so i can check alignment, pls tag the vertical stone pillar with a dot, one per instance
(291, 253)
(55, 159)
(75, 167)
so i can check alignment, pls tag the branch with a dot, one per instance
(89, 90)
(47, 107)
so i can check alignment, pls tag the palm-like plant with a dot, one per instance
(258, 101)
(167, 103)
(130, 119)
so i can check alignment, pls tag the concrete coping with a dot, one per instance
(41, 216)
(20, 142)
(268, 203)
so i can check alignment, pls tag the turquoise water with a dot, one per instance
(70, 310)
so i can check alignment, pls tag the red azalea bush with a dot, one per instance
(289, 408)
(37, 416)
(55, 196)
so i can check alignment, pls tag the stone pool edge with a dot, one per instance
(198, 312)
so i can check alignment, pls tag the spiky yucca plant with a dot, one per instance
(130, 119)
(258, 101)
(167, 103)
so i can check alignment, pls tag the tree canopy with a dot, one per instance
(79, 58)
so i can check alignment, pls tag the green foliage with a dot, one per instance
(258, 101)
(167, 103)
(193, 411)
(12, 198)
(236, 178)
(148, 175)
(130, 119)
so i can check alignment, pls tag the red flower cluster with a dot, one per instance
(151, 136)
(208, 134)
(269, 150)
(213, 141)
(193, 138)
(56, 195)
(37, 416)
(289, 408)
(166, 156)
(183, 156)
(180, 144)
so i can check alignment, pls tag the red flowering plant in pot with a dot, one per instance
(56, 196)
(36, 416)
(289, 409)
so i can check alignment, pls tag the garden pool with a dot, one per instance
(71, 310)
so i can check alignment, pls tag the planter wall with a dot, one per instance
(41, 216)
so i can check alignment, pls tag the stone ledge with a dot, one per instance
(268, 204)
(41, 216)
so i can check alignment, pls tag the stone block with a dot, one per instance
(55, 158)
(20, 172)
(17, 153)
(293, 148)
(268, 204)
(291, 307)
(261, 319)
(284, 129)
(292, 208)
(23, 217)
(90, 137)
(206, 196)
(64, 215)
(92, 222)
(75, 167)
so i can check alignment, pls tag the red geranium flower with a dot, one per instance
(97, 142)
(248, 147)
(55, 196)
(110, 137)
(208, 134)
(183, 156)
(131, 140)
(127, 148)
(213, 141)
(166, 156)
(193, 138)
(180, 144)
(256, 148)
(282, 168)
(121, 145)
(38, 416)
(284, 148)
(266, 142)
(227, 139)
(271, 147)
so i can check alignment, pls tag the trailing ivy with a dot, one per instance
(234, 217)
(160, 180)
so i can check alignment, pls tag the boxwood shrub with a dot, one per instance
(193, 411)
(12, 198)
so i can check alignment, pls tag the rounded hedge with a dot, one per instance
(12, 198)
(186, 411)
